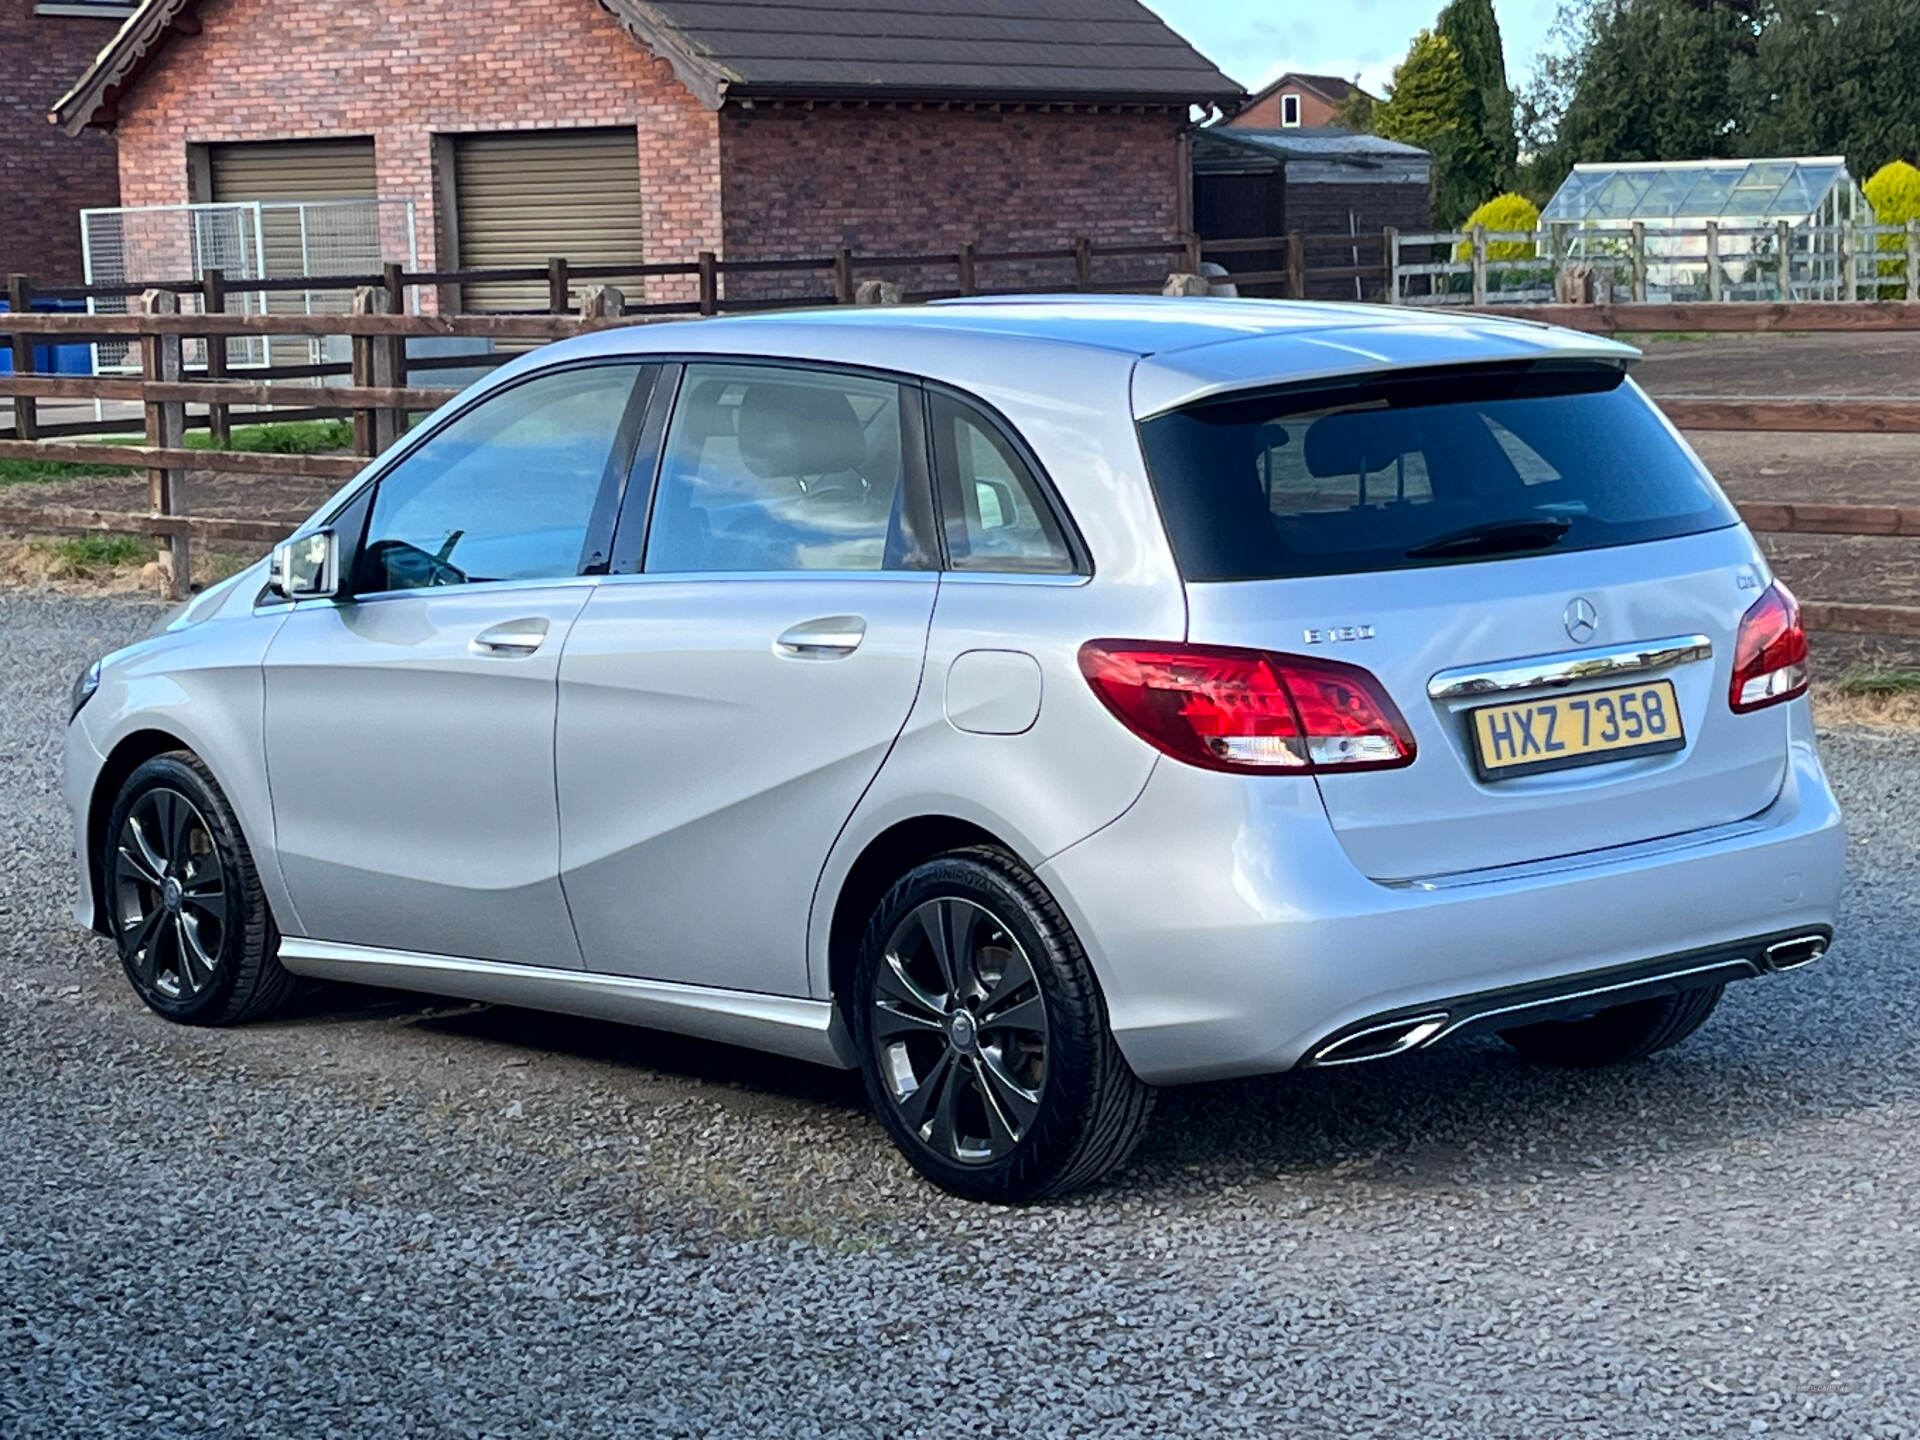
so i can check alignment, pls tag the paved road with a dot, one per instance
(386, 1218)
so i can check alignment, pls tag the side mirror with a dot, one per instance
(306, 567)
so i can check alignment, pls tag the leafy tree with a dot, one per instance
(1695, 79)
(1426, 99)
(1834, 77)
(1484, 156)
(1426, 106)
(1355, 113)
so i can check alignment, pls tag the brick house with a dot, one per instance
(607, 130)
(1295, 101)
(47, 178)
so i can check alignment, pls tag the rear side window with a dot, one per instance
(775, 469)
(1421, 470)
(997, 515)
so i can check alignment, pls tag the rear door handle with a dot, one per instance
(511, 637)
(824, 639)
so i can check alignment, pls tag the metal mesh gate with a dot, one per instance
(246, 240)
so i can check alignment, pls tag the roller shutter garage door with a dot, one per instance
(314, 240)
(527, 196)
(305, 170)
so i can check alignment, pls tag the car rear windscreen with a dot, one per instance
(1422, 469)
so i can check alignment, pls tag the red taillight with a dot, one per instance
(1232, 709)
(1770, 655)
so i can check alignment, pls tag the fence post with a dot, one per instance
(1192, 242)
(1637, 260)
(213, 301)
(1296, 266)
(1557, 244)
(1845, 256)
(709, 283)
(1480, 264)
(843, 276)
(394, 293)
(1390, 258)
(1783, 260)
(557, 285)
(963, 264)
(1913, 257)
(1082, 263)
(1713, 261)
(166, 430)
(375, 427)
(602, 302)
(26, 411)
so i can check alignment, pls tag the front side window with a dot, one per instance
(1390, 473)
(775, 469)
(1289, 110)
(997, 516)
(509, 490)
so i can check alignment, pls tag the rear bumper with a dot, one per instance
(1566, 996)
(1232, 936)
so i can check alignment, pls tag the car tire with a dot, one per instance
(1623, 1032)
(1027, 1096)
(183, 901)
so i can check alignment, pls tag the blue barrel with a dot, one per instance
(50, 358)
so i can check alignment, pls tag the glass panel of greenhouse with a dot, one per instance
(1778, 225)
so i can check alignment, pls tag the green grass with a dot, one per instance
(30, 472)
(102, 552)
(297, 437)
(1865, 683)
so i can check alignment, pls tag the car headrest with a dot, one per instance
(798, 430)
(1349, 441)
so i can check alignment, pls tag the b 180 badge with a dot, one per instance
(1338, 634)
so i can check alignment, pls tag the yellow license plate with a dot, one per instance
(1525, 737)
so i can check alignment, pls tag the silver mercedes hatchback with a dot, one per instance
(1029, 703)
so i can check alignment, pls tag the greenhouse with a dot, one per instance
(1779, 229)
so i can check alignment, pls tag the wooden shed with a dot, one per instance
(1323, 184)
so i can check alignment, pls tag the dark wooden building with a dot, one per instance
(1320, 183)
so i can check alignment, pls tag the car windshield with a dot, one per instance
(1426, 469)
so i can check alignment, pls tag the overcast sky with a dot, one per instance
(1255, 40)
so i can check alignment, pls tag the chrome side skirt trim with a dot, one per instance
(784, 1025)
(1571, 667)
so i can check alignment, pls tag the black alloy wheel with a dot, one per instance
(183, 902)
(170, 895)
(983, 1035)
(960, 1030)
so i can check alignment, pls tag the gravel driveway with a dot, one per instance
(391, 1217)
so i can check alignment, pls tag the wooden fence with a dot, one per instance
(1717, 263)
(382, 396)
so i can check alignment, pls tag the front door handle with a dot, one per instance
(511, 637)
(824, 639)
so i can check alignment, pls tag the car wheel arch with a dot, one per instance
(128, 754)
(882, 861)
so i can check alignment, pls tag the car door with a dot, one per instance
(724, 706)
(410, 724)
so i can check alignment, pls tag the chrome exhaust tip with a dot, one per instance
(1377, 1042)
(1791, 954)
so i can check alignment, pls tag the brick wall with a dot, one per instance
(403, 71)
(46, 178)
(899, 180)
